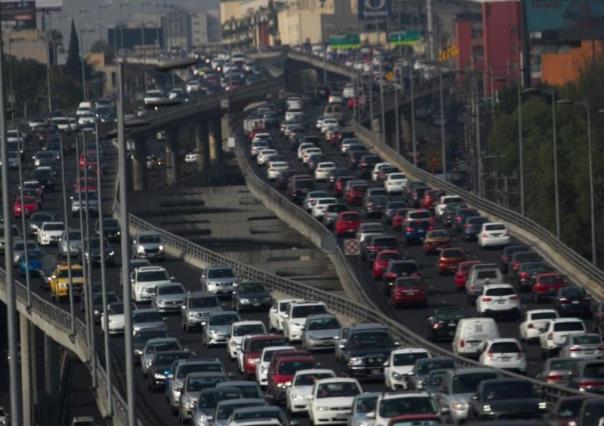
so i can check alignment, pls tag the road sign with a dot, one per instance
(448, 53)
(390, 76)
(352, 247)
(402, 38)
(345, 41)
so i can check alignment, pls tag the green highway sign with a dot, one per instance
(402, 38)
(345, 41)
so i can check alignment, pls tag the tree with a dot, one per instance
(73, 66)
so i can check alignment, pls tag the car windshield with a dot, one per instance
(54, 227)
(543, 315)
(170, 289)
(486, 274)
(449, 314)
(337, 390)
(504, 347)
(424, 367)
(245, 329)
(403, 267)
(289, 367)
(409, 358)
(384, 242)
(551, 279)
(304, 184)
(307, 310)
(221, 273)
(144, 335)
(224, 411)
(371, 339)
(569, 326)
(311, 378)
(587, 339)
(594, 370)
(149, 276)
(203, 302)
(573, 292)
(508, 390)
(251, 288)
(211, 367)
(324, 324)
(167, 345)
(167, 359)
(227, 319)
(75, 273)
(150, 316)
(393, 407)
(499, 291)
(468, 383)
(210, 399)
(257, 345)
(494, 227)
(118, 309)
(154, 239)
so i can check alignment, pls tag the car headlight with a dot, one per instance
(140, 249)
(356, 361)
(543, 405)
(111, 253)
(161, 247)
(460, 406)
(396, 376)
(244, 300)
(486, 408)
(159, 376)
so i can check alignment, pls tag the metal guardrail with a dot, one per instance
(568, 260)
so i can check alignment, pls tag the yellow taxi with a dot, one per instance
(59, 280)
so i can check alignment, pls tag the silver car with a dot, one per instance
(208, 400)
(148, 244)
(19, 249)
(224, 409)
(194, 383)
(320, 332)
(586, 346)
(147, 318)
(78, 201)
(363, 406)
(457, 388)
(184, 367)
(218, 329)
(157, 345)
(169, 297)
(196, 309)
(75, 243)
(481, 275)
(218, 280)
(248, 388)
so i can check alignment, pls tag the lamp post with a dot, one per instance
(552, 94)
(412, 94)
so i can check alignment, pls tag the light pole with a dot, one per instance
(552, 94)
(443, 136)
(412, 94)
(382, 108)
(520, 150)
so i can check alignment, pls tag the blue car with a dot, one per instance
(33, 264)
(415, 231)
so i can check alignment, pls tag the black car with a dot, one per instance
(506, 256)
(374, 205)
(472, 226)
(443, 322)
(251, 295)
(376, 243)
(111, 228)
(140, 339)
(161, 366)
(97, 304)
(506, 399)
(572, 302)
(93, 250)
(423, 367)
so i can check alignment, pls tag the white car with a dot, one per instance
(310, 151)
(493, 234)
(153, 96)
(400, 364)
(442, 203)
(556, 332)
(302, 147)
(323, 169)
(376, 170)
(264, 361)
(50, 233)
(312, 197)
(395, 182)
(320, 206)
(145, 279)
(331, 400)
(369, 229)
(506, 354)
(585, 346)
(258, 146)
(278, 313)
(298, 395)
(534, 321)
(238, 331)
(293, 325)
(498, 299)
(390, 404)
(328, 122)
(262, 157)
(115, 318)
(347, 143)
(275, 169)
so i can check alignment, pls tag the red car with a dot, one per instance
(461, 275)
(354, 195)
(435, 240)
(30, 205)
(399, 218)
(449, 258)
(347, 223)
(340, 183)
(430, 197)
(281, 371)
(409, 291)
(547, 285)
(85, 185)
(382, 259)
(252, 349)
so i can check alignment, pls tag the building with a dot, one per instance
(132, 38)
(490, 42)
(177, 29)
(205, 28)
(99, 63)
(31, 44)
(566, 63)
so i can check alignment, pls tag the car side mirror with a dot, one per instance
(474, 397)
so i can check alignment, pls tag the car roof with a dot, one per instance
(396, 395)
(149, 233)
(367, 326)
(150, 268)
(409, 351)
(241, 401)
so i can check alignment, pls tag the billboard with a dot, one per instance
(565, 19)
(49, 4)
(18, 15)
(373, 9)
(345, 41)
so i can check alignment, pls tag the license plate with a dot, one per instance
(506, 358)
(452, 324)
(501, 302)
(589, 352)
(376, 372)
(341, 417)
(257, 304)
(575, 302)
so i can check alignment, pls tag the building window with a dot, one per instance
(476, 32)
(477, 53)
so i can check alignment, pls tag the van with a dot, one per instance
(479, 276)
(334, 110)
(472, 333)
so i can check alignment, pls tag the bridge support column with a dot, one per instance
(201, 145)
(225, 122)
(139, 165)
(28, 373)
(406, 133)
(172, 156)
(215, 137)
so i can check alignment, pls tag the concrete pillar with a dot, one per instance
(225, 122)
(215, 141)
(139, 165)
(172, 156)
(201, 145)
(27, 346)
(52, 367)
(406, 133)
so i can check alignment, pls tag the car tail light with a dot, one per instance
(530, 325)
(514, 297)
(575, 349)
(462, 343)
(519, 355)
(554, 377)
(490, 355)
(563, 300)
(550, 336)
(409, 229)
(487, 299)
(485, 235)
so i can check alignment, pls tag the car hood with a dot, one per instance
(171, 298)
(342, 401)
(371, 352)
(323, 334)
(402, 369)
(302, 390)
(228, 280)
(148, 246)
(206, 310)
(155, 324)
(258, 295)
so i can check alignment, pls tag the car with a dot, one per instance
(111, 228)
(30, 262)
(251, 295)
(238, 331)
(258, 416)
(82, 200)
(369, 229)
(218, 280)
(460, 217)
(297, 395)
(37, 219)
(194, 383)
(248, 389)
(330, 215)
(93, 251)
(546, 285)
(224, 409)
(399, 268)
(115, 318)
(279, 312)
(504, 354)
(293, 324)
(572, 301)
(415, 230)
(145, 279)
(534, 322)
(218, 327)
(400, 364)
(29, 206)
(363, 407)
(409, 291)
(196, 309)
(97, 303)
(556, 331)
(481, 275)
(588, 376)
(154, 346)
(70, 243)
(208, 400)
(527, 274)
(591, 413)
(312, 197)
(147, 318)
(266, 356)
(375, 244)
(585, 346)
(46, 176)
(282, 369)
(374, 205)
(566, 411)
(355, 193)
(148, 244)
(498, 299)
(507, 253)
(471, 227)
(520, 257)
(497, 399)
(377, 168)
(321, 205)
(140, 339)
(392, 405)
(443, 322)
(493, 234)
(443, 201)
(331, 400)
(168, 297)
(275, 169)
(64, 279)
(449, 259)
(458, 387)
(382, 260)
(323, 169)
(320, 332)
(391, 208)
(471, 334)
(462, 272)
(557, 370)
(436, 240)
